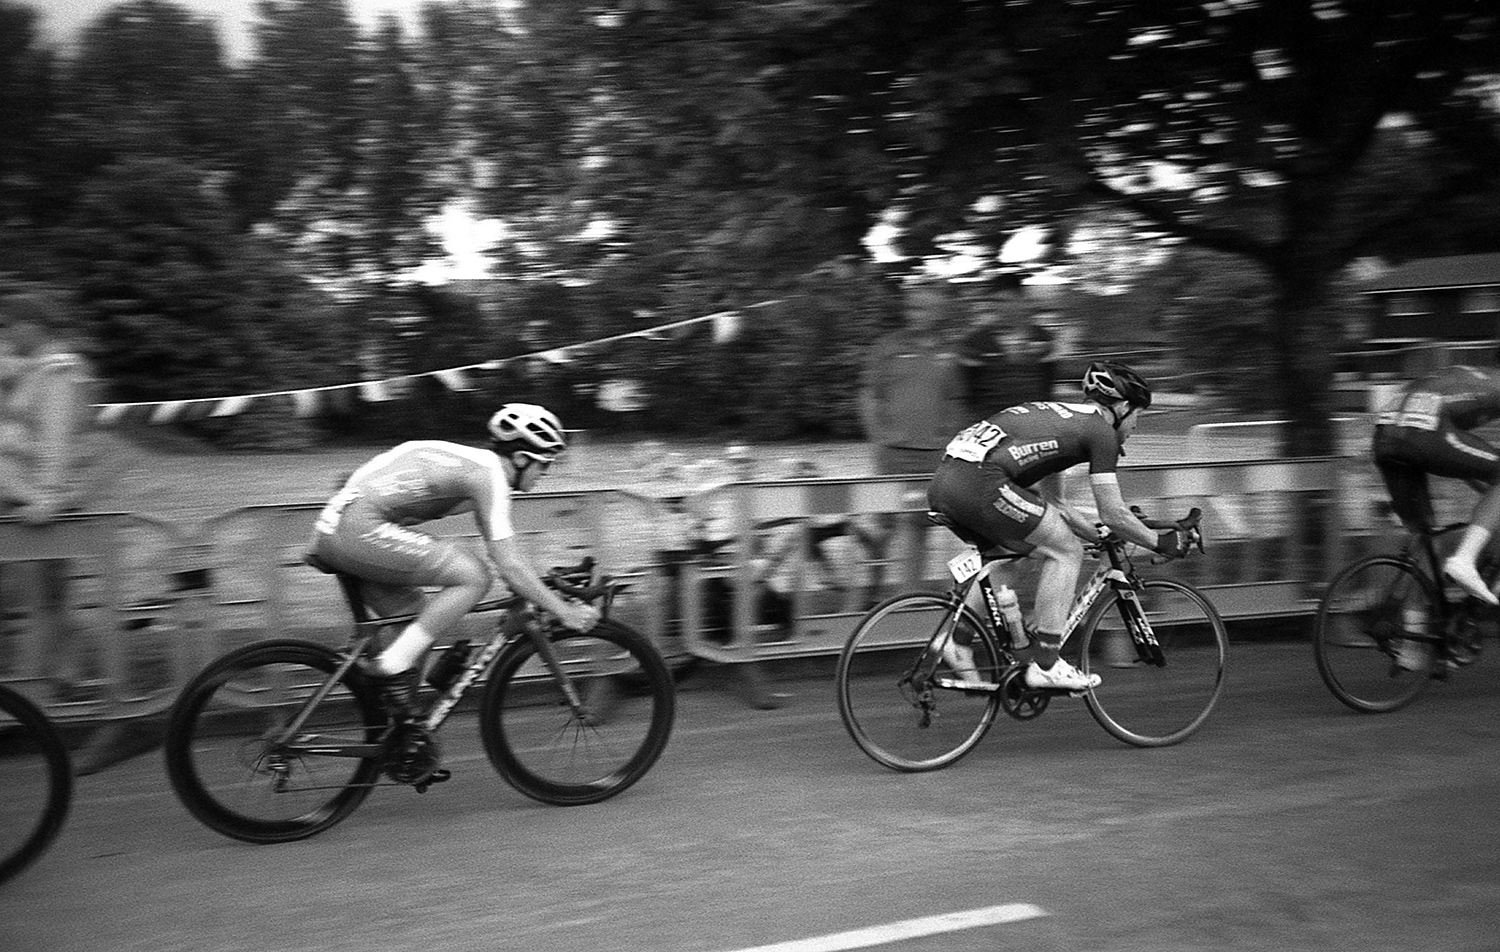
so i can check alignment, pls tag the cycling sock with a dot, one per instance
(1048, 645)
(1475, 538)
(405, 651)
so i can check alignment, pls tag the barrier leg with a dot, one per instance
(747, 679)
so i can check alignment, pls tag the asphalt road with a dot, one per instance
(1288, 823)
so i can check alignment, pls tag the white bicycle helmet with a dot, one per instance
(527, 427)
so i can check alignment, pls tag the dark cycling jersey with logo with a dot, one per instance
(1032, 440)
(1428, 430)
(1455, 397)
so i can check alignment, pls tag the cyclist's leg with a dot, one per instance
(395, 557)
(1016, 518)
(1061, 553)
(1062, 560)
(1467, 457)
(1406, 482)
(977, 500)
(958, 490)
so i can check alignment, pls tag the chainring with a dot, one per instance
(1018, 700)
(412, 754)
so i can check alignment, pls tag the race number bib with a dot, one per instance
(1421, 411)
(975, 443)
(966, 566)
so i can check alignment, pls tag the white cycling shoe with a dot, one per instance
(1061, 676)
(1467, 576)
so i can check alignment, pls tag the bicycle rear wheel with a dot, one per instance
(226, 765)
(1145, 704)
(36, 783)
(896, 695)
(551, 752)
(1374, 611)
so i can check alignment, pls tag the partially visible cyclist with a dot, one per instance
(1429, 431)
(1000, 480)
(366, 530)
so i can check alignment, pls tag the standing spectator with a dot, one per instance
(996, 366)
(50, 461)
(913, 386)
(1043, 350)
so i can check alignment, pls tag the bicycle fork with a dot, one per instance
(1132, 612)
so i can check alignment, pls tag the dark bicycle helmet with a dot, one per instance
(1108, 381)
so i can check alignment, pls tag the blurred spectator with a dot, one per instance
(997, 370)
(1043, 350)
(51, 461)
(912, 390)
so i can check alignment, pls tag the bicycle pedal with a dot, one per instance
(437, 776)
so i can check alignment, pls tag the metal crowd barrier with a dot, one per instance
(736, 574)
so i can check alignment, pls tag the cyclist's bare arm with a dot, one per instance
(1114, 513)
(517, 573)
(490, 497)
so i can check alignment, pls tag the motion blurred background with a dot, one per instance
(693, 217)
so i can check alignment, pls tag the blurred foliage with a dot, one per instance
(254, 225)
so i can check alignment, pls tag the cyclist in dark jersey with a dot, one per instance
(366, 530)
(1429, 431)
(999, 480)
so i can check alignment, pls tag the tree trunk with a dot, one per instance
(1305, 361)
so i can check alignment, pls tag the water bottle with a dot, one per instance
(446, 668)
(1010, 611)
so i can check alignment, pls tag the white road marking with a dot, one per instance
(908, 929)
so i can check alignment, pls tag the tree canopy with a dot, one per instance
(654, 159)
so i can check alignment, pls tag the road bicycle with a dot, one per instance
(1386, 628)
(282, 739)
(1159, 644)
(36, 783)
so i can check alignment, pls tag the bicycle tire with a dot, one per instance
(1145, 704)
(36, 775)
(1359, 617)
(225, 771)
(913, 727)
(550, 752)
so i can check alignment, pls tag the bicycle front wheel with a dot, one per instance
(1140, 702)
(234, 769)
(899, 699)
(1372, 640)
(36, 777)
(568, 754)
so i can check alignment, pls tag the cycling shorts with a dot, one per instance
(1406, 456)
(986, 503)
(367, 545)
